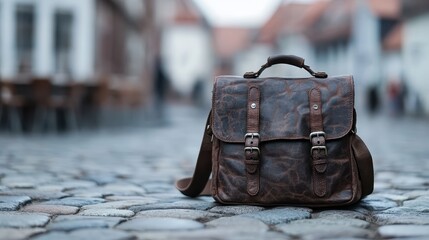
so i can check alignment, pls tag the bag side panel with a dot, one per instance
(215, 166)
(364, 163)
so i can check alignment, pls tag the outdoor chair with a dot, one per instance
(13, 99)
(53, 102)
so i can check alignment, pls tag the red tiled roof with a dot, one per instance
(291, 18)
(286, 17)
(314, 12)
(337, 19)
(230, 40)
(385, 8)
(186, 12)
(334, 23)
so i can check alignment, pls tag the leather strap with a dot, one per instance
(200, 184)
(318, 150)
(251, 145)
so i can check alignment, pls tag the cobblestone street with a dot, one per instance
(119, 184)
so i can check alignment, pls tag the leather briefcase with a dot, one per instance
(282, 141)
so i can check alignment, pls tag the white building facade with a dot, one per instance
(45, 37)
(186, 49)
(415, 53)
(188, 56)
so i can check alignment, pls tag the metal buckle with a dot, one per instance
(317, 134)
(252, 135)
(319, 148)
(251, 149)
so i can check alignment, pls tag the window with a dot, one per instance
(63, 41)
(24, 37)
(386, 26)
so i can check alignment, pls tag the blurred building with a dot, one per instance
(415, 54)
(80, 39)
(232, 49)
(287, 31)
(186, 50)
(359, 37)
(349, 34)
(103, 45)
(47, 37)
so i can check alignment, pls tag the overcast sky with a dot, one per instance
(249, 13)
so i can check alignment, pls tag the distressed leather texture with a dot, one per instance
(288, 171)
(284, 107)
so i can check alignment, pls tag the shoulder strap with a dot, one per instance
(200, 184)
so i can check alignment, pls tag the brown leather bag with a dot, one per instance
(282, 141)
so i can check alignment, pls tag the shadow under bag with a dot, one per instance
(282, 141)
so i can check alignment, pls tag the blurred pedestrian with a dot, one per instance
(198, 93)
(403, 93)
(373, 100)
(397, 93)
(160, 88)
(393, 93)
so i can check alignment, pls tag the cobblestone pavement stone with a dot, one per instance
(118, 184)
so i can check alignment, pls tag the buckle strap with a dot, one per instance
(318, 151)
(251, 141)
(251, 146)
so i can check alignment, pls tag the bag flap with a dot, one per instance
(284, 107)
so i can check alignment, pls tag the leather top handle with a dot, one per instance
(285, 59)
